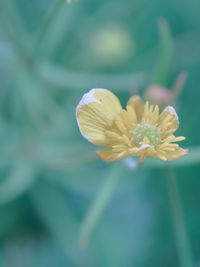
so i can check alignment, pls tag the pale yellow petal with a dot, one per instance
(164, 117)
(96, 111)
(108, 155)
(155, 115)
(176, 154)
(143, 151)
(138, 106)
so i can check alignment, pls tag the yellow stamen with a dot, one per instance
(155, 115)
(120, 125)
(131, 114)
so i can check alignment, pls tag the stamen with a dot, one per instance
(126, 120)
(112, 135)
(131, 114)
(155, 115)
(126, 140)
(120, 125)
(146, 110)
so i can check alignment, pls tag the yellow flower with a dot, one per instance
(137, 131)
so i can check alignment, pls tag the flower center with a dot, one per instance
(149, 131)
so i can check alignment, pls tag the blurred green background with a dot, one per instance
(59, 204)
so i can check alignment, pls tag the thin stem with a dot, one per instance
(166, 49)
(16, 35)
(182, 241)
(179, 84)
(99, 204)
(52, 12)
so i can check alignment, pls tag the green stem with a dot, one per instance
(182, 241)
(166, 51)
(15, 34)
(52, 12)
(99, 204)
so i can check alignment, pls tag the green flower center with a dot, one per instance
(143, 130)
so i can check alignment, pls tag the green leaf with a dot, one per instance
(13, 28)
(11, 214)
(46, 24)
(55, 212)
(18, 182)
(60, 77)
(100, 203)
(181, 236)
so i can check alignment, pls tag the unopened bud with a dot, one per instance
(159, 95)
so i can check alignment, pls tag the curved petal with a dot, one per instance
(144, 151)
(108, 155)
(169, 110)
(176, 154)
(96, 111)
(136, 103)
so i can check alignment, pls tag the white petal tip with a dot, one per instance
(144, 146)
(172, 110)
(86, 99)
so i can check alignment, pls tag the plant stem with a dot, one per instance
(19, 39)
(99, 204)
(166, 51)
(182, 241)
(52, 12)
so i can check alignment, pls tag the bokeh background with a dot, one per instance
(59, 204)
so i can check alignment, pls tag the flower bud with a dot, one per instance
(159, 95)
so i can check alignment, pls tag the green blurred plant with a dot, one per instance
(46, 181)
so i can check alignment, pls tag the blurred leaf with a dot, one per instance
(99, 204)
(181, 236)
(186, 50)
(46, 24)
(11, 214)
(18, 37)
(26, 249)
(59, 77)
(53, 209)
(63, 23)
(36, 101)
(18, 182)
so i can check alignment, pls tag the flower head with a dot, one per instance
(138, 130)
